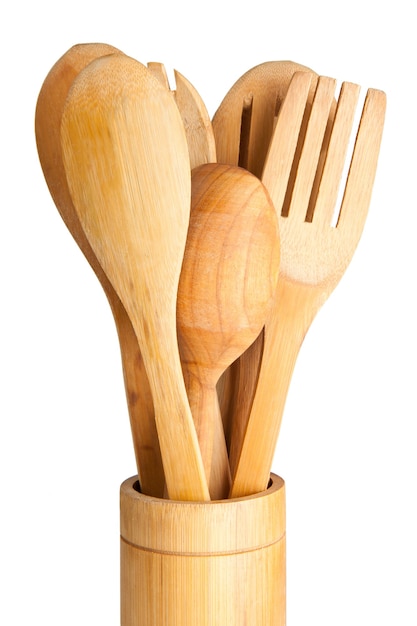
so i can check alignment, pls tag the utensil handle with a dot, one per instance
(140, 406)
(183, 464)
(204, 405)
(244, 374)
(261, 434)
(220, 477)
(283, 336)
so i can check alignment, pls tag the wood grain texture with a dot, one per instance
(244, 121)
(314, 256)
(276, 175)
(243, 125)
(197, 122)
(215, 563)
(127, 163)
(194, 115)
(49, 108)
(227, 284)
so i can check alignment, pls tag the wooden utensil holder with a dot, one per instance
(219, 563)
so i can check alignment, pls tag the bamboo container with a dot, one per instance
(203, 563)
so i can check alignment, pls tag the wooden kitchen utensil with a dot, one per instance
(243, 126)
(194, 114)
(227, 283)
(127, 163)
(245, 371)
(314, 253)
(48, 115)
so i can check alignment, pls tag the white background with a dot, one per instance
(347, 448)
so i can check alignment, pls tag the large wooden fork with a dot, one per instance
(314, 252)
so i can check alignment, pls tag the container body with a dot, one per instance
(203, 563)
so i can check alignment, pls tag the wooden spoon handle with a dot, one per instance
(220, 477)
(140, 406)
(243, 376)
(204, 405)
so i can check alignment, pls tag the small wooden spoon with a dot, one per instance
(227, 284)
(127, 163)
(48, 116)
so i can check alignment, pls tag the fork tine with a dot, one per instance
(361, 176)
(297, 203)
(284, 140)
(196, 120)
(158, 69)
(325, 203)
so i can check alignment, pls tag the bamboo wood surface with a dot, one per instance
(244, 121)
(243, 126)
(276, 173)
(127, 163)
(227, 284)
(197, 122)
(202, 150)
(48, 115)
(314, 254)
(194, 114)
(189, 563)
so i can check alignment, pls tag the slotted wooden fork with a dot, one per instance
(314, 252)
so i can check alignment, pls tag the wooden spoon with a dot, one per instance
(48, 116)
(126, 158)
(226, 288)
